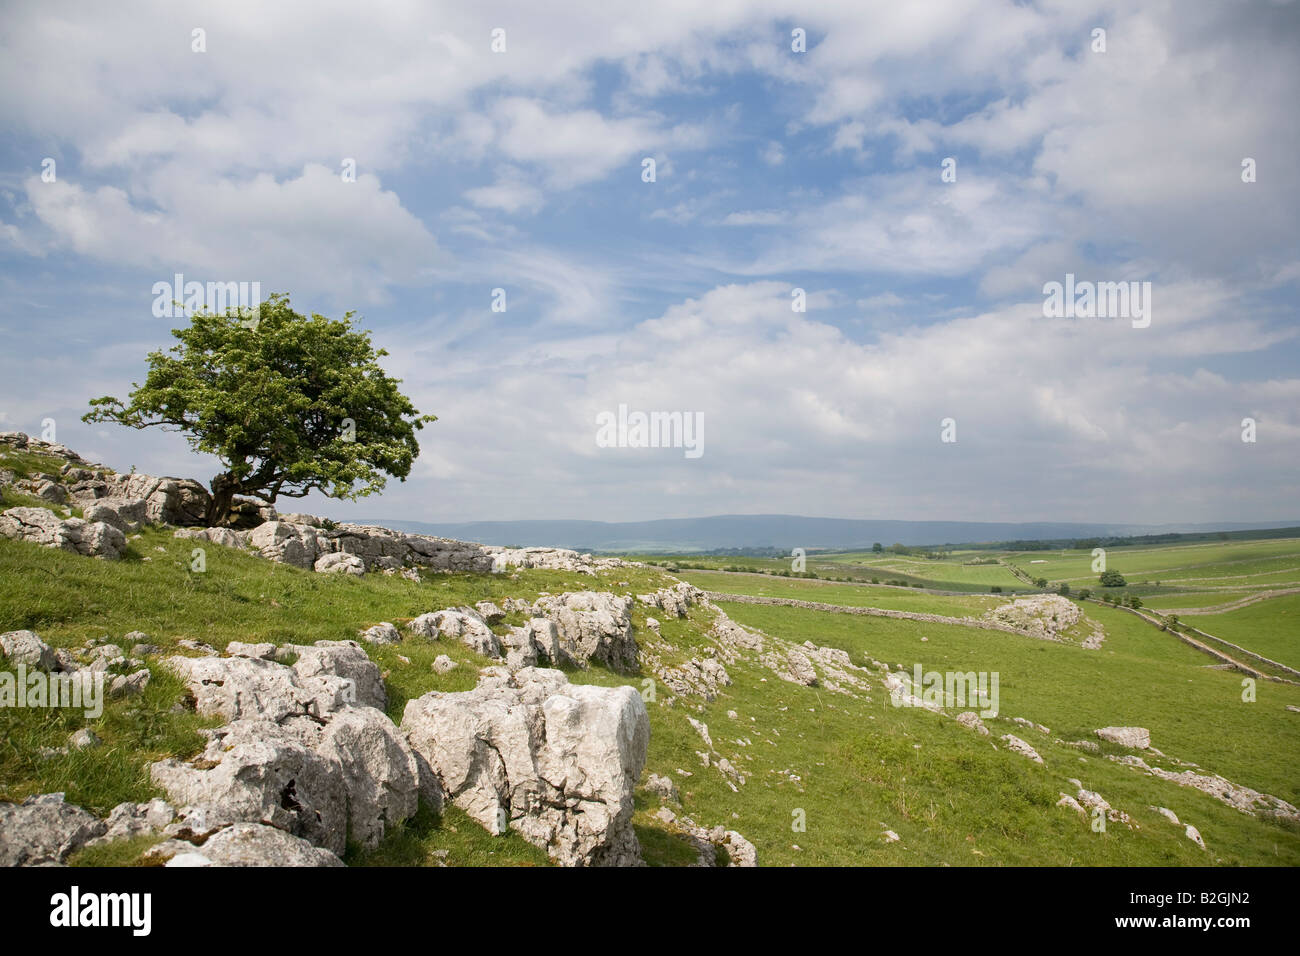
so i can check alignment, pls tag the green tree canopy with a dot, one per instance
(289, 404)
(1111, 579)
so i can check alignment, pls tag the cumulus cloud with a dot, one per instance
(521, 170)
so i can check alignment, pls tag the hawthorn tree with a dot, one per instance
(288, 403)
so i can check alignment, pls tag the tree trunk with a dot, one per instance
(223, 495)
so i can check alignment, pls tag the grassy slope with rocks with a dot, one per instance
(855, 767)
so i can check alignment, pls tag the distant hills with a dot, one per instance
(722, 532)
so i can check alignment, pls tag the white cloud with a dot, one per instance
(350, 239)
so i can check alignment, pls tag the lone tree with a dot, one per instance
(288, 404)
(1111, 579)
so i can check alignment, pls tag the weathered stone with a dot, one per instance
(1017, 745)
(336, 563)
(221, 536)
(344, 659)
(252, 844)
(382, 633)
(554, 761)
(593, 625)
(1139, 738)
(379, 772)
(84, 739)
(662, 787)
(972, 720)
(264, 651)
(675, 601)
(297, 545)
(490, 612)
(128, 820)
(259, 771)
(463, 624)
(24, 647)
(43, 830)
(91, 539)
(126, 514)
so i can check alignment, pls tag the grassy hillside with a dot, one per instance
(825, 775)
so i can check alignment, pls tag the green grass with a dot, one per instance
(24, 464)
(1195, 599)
(453, 839)
(1140, 676)
(1270, 627)
(1196, 564)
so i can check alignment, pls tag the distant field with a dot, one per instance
(1270, 627)
(948, 571)
(948, 574)
(851, 595)
(1218, 564)
(1194, 599)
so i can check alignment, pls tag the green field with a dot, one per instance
(1270, 627)
(850, 595)
(1217, 564)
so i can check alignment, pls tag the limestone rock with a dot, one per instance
(127, 820)
(379, 772)
(89, 538)
(336, 563)
(529, 751)
(84, 739)
(43, 830)
(662, 787)
(793, 666)
(126, 514)
(1138, 738)
(1017, 745)
(343, 659)
(298, 545)
(382, 633)
(243, 687)
(463, 624)
(24, 647)
(257, 770)
(972, 720)
(255, 844)
(178, 501)
(1070, 803)
(222, 536)
(593, 625)
(675, 601)
(264, 651)
(490, 612)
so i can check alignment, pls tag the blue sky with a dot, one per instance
(820, 170)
